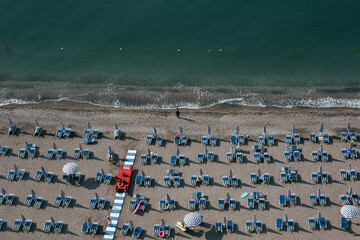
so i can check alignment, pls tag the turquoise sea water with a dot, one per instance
(269, 48)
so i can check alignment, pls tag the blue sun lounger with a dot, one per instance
(324, 156)
(48, 177)
(86, 153)
(211, 156)
(297, 139)
(326, 138)
(200, 157)
(291, 225)
(184, 140)
(50, 153)
(322, 199)
(139, 180)
(32, 152)
(262, 203)
(230, 226)
(4, 150)
(10, 199)
(234, 181)
(344, 136)
(213, 140)
(344, 200)
(353, 136)
(144, 159)
(101, 203)
(93, 202)
(67, 133)
(67, 201)
(297, 155)
(11, 175)
(38, 202)
(343, 174)
(2, 198)
(85, 227)
(353, 153)
(39, 175)
(58, 200)
(282, 200)
(192, 204)
(99, 177)
(193, 180)
(125, 229)
(20, 174)
(177, 141)
(59, 153)
(313, 138)
(283, 177)
(267, 157)
(288, 139)
(249, 226)
(218, 227)
(353, 174)
(257, 157)
(229, 156)
(132, 204)
(251, 203)
(137, 232)
(154, 158)
(159, 141)
(47, 226)
(287, 156)
(221, 203)
(225, 180)
(27, 225)
(313, 199)
(233, 139)
(163, 205)
(204, 140)
(108, 178)
(29, 199)
(253, 178)
(258, 226)
(232, 203)
(266, 178)
(315, 177)
(355, 198)
(182, 160)
(279, 224)
(324, 177)
(94, 228)
(167, 181)
(261, 140)
(176, 181)
(239, 157)
(312, 223)
(202, 203)
(315, 155)
(147, 181)
(77, 176)
(344, 223)
(22, 153)
(206, 180)
(77, 153)
(156, 230)
(241, 140)
(58, 226)
(173, 160)
(344, 153)
(17, 225)
(293, 199)
(271, 140)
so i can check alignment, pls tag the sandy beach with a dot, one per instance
(136, 124)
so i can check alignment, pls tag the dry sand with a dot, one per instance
(136, 124)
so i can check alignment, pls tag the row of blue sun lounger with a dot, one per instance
(208, 141)
(349, 153)
(265, 178)
(227, 202)
(289, 156)
(354, 198)
(100, 177)
(317, 199)
(97, 203)
(181, 160)
(320, 156)
(30, 152)
(283, 199)
(145, 158)
(165, 228)
(30, 199)
(61, 132)
(230, 181)
(253, 226)
(209, 156)
(288, 175)
(7, 198)
(3, 150)
(167, 204)
(90, 228)
(126, 228)
(76, 177)
(238, 157)
(57, 226)
(143, 181)
(316, 177)
(237, 140)
(169, 181)
(280, 224)
(158, 140)
(183, 140)
(201, 201)
(325, 138)
(348, 136)
(82, 153)
(58, 153)
(26, 224)
(228, 226)
(314, 222)
(16, 175)
(348, 174)
(205, 180)
(47, 176)
(62, 201)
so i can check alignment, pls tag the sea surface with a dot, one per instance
(167, 54)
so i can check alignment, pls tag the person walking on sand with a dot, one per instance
(109, 221)
(177, 113)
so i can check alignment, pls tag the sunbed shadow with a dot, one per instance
(273, 206)
(351, 231)
(335, 160)
(241, 184)
(92, 157)
(336, 181)
(24, 133)
(146, 236)
(2, 177)
(221, 162)
(331, 227)
(33, 227)
(156, 184)
(300, 180)
(276, 161)
(67, 156)
(194, 234)
(47, 204)
(273, 183)
(161, 161)
(10, 153)
(217, 184)
(104, 137)
(307, 160)
(187, 119)
(193, 162)
(306, 206)
(131, 138)
(210, 207)
(90, 183)
(149, 207)
(77, 205)
(223, 140)
(212, 235)
(181, 235)
(300, 229)
(66, 230)
(75, 135)
(56, 180)
(7, 228)
(49, 134)
(17, 202)
(178, 207)
(333, 203)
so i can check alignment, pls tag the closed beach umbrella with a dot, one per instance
(321, 129)
(148, 152)
(192, 220)
(264, 130)
(259, 173)
(318, 216)
(201, 173)
(321, 149)
(154, 132)
(237, 130)
(349, 192)
(54, 146)
(205, 151)
(285, 219)
(349, 167)
(181, 131)
(209, 130)
(71, 168)
(230, 175)
(320, 169)
(89, 126)
(168, 198)
(293, 129)
(318, 193)
(62, 125)
(254, 220)
(177, 152)
(289, 193)
(348, 128)
(349, 211)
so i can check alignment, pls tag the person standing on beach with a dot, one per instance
(177, 113)
(109, 221)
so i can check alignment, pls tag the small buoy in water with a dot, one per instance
(178, 49)
(220, 50)
(120, 49)
(61, 48)
(354, 49)
(91, 48)
(232, 50)
(149, 50)
(210, 50)
(34, 48)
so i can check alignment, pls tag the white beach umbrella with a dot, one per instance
(209, 130)
(192, 220)
(71, 168)
(349, 211)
